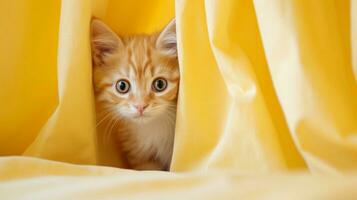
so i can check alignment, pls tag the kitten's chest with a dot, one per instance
(155, 138)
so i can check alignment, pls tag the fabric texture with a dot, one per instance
(267, 103)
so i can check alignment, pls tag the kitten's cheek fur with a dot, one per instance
(124, 111)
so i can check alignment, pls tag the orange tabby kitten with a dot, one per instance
(136, 82)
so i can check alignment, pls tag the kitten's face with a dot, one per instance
(137, 77)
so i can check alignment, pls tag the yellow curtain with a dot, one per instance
(267, 88)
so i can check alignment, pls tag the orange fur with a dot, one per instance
(147, 138)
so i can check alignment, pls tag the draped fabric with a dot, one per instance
(268, 88)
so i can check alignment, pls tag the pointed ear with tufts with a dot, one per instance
(104, 42)
(166, 42)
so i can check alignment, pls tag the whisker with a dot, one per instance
(104, 118)
(114, 126)
(107, 130)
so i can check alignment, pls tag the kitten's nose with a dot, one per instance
(140, 108)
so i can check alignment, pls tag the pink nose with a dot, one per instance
(140, 108)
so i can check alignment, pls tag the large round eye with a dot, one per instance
(122, 86)
(159, 84)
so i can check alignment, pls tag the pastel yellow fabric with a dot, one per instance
(268, 88)
(40, 179)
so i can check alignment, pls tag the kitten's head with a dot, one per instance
(137, 77)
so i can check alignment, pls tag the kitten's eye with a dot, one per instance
(122, 86)
(159, 85)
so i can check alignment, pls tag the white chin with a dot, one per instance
(141, 119)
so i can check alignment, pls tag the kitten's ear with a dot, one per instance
(167, 42)
(104, 41)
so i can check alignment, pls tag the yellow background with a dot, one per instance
(267, 86)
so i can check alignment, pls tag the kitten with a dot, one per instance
(136, 81)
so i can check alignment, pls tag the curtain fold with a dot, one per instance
(28, 77)
(308, 49)
(69, 135)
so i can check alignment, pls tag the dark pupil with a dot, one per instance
(122, 85)
(160, 84)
